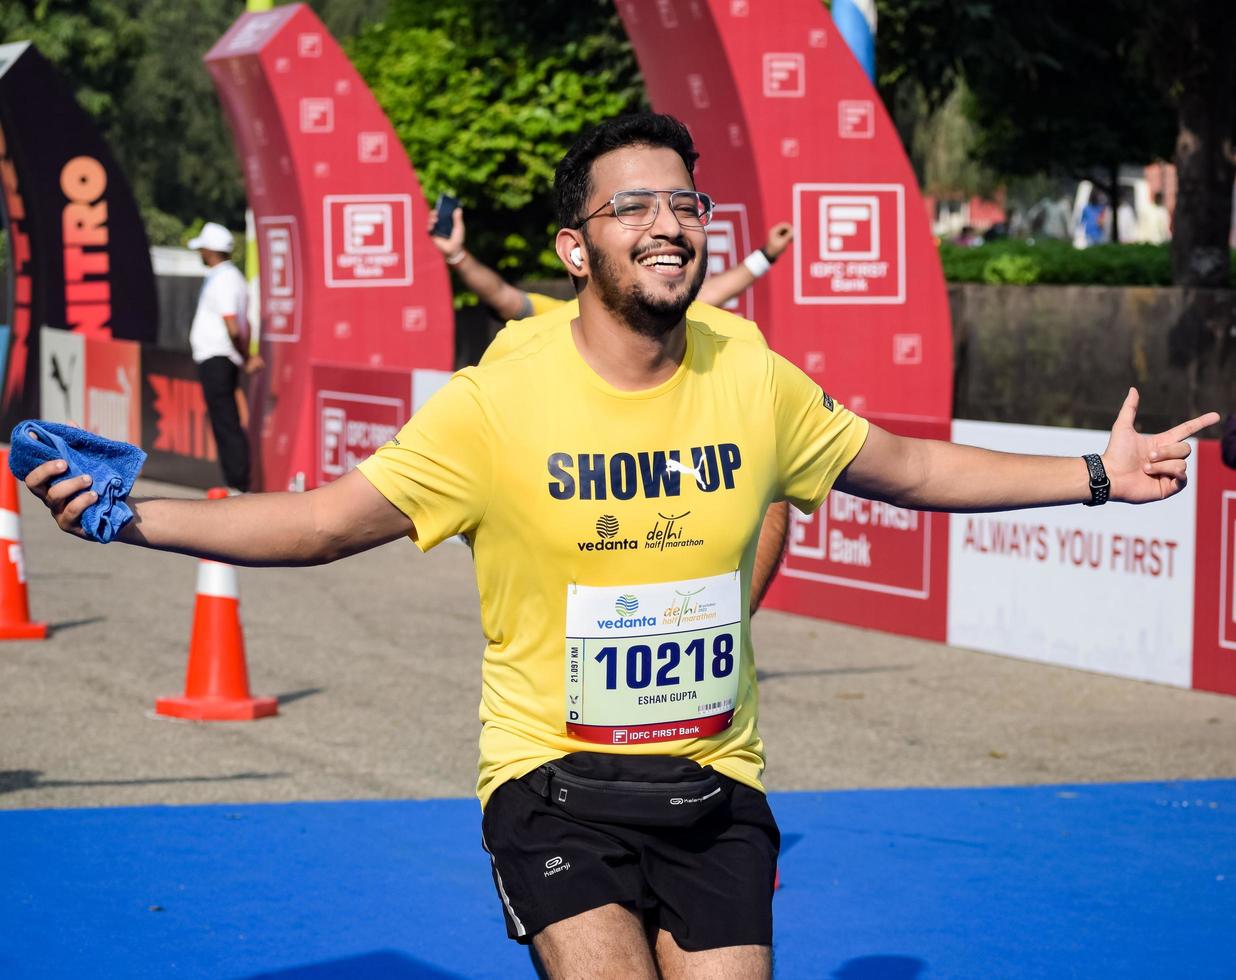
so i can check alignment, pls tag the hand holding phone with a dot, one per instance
(445, 210)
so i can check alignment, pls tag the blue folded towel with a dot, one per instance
(112, 465)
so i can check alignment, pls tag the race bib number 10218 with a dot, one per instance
(652, 663)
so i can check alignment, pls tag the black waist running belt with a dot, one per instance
(645, 790)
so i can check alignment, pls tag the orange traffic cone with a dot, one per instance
(217, 685)
(14, 606)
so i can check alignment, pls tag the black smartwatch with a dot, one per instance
(1100, 485)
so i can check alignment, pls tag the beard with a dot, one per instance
(648, 315)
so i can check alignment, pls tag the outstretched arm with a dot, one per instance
(334, 521)
(926, 474)
(724, 286)
(507, 301)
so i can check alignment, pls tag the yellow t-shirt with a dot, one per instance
(568, 489)
(549, 313)
(541, 304)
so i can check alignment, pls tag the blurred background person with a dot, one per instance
(1091, 228)
(1126, 218)
(968, 237)
(219, 341)
(1155, 224)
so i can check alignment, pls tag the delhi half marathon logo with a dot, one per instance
(690, 609)
(626, 604)
(670, 534)
(607, 530)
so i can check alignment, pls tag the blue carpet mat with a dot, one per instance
(1104, 881)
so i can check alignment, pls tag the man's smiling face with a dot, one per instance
(647, 276)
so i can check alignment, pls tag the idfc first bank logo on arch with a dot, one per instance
(351, 427)
(368, 240)
(850, 243)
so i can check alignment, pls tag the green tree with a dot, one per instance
(347, 18)
(1189, 47)
(1065, 87)
(96, 43)
(136, 67)
(1049, 87)
(1084, 101)
(171, 136)
(486, 104)
(940, 142)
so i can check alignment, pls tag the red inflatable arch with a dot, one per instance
(355, 299)
(790, 128)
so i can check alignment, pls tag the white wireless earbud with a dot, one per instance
(577, 257)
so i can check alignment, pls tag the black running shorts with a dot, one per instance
(709, 885)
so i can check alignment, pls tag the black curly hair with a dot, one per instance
(573, 178)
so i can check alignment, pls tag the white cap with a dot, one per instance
(214, 237)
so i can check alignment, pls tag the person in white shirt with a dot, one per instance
(219, 340)
(1155, 226)
(1126, 218)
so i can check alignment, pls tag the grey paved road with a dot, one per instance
(376, 662)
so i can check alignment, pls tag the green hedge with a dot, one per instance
(486, 106)
(1058, 263)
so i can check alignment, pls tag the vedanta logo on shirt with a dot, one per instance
(607, 530)
(594, 476)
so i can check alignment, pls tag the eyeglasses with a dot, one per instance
(639, 208)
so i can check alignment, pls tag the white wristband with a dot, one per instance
(757, 263)
(457, 257)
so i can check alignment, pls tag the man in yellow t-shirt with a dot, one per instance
(611, 476)
(558, 316)
(528, 313)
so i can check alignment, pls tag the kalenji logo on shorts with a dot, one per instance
(556, 864)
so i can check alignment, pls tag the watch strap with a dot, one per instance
(1100, 485)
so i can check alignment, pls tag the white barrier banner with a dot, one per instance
(1107, 589)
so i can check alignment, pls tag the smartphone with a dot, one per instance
(445, 209)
